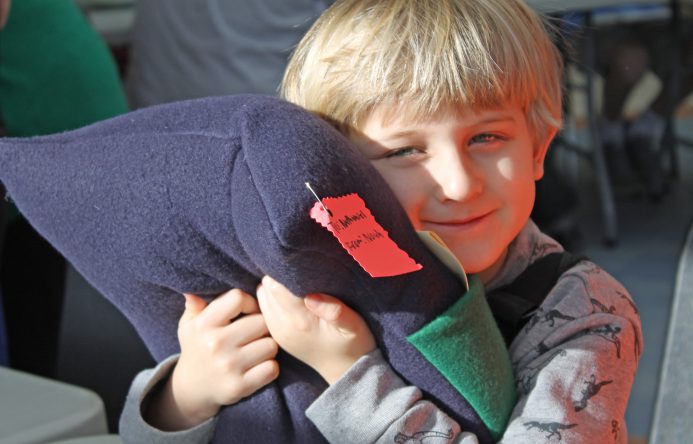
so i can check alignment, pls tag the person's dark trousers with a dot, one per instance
(4, 360)
(32, 277)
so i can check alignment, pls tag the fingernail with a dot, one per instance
(188, 300)
(313, 300)
(269, 282)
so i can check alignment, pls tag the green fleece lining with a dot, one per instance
(465, 345)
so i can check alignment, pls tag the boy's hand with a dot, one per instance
(226, 355)
(318, 329)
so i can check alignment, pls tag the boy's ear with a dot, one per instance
(540, 150)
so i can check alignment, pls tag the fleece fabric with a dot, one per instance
(204, 195)
(464, 326)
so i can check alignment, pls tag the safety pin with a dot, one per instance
(318, 198)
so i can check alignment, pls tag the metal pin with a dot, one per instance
(318, 198)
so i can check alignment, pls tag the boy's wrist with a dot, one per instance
(193, 408)
(171, 409)
(337, 370)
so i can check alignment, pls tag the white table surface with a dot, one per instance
(38, 410)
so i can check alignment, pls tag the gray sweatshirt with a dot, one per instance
(574, 364)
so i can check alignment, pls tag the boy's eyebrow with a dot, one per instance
(494, 118)
(401, 134)
(500, 118)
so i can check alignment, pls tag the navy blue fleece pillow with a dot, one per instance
(205, 195)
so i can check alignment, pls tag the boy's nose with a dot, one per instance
(457, 178)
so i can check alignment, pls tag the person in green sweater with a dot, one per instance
(56, 74)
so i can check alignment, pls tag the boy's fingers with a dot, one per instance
(193, 306)
(324, 306)
(256, 352)
(284, 313)
(246, 329)
(280, 306)
(281, 295)
(261, 375)
(227, 306)
(266, 303)
(276, 316)
(334, 312)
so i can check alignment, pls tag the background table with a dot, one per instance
(39, 410)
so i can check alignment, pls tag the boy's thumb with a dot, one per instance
(193, 305)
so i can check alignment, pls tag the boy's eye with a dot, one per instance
(485, 138)
(402, 152)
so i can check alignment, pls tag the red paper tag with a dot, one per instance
(365, 240)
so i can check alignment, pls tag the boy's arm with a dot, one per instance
(319, 330)
(226, 355)
(134, 428)
(575, 362)
(575, 348)
(372, 404)
(366, 401)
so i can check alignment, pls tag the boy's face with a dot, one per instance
(469, 177)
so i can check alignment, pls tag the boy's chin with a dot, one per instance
(485, 265)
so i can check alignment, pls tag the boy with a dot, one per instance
(455, 103)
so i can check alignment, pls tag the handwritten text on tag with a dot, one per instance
(352, 223)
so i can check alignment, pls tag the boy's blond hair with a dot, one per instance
(415, 56)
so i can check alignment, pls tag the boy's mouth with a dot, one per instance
(456, 224)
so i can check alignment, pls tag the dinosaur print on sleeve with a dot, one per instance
(601, 307)
(593, 387)
(610, 333)
(552, 428)
(424, 437)
(527, 376)
(615, 428)
(549, 317)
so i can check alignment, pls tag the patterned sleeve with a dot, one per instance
(370, 403)
(574, 366)
(575, 362)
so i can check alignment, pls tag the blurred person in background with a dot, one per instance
(184, 49)
(56, 74)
